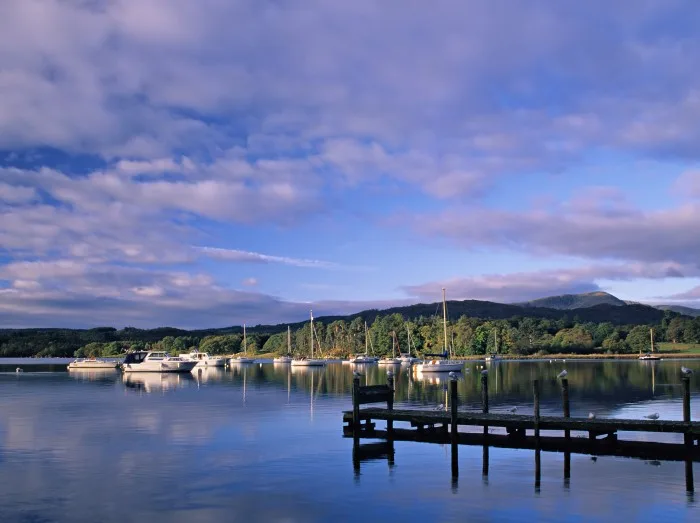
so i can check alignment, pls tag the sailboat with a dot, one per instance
(393, 360)
(441, 365)
(407, 359)
(363, 358)
(649, 355)
(494, 355)
(309, 362)
(243, 358)
(288, 357)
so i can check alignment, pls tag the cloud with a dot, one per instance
(525, 286)
(592, 229)
(256, 257)
(250, 282)
(16, 194)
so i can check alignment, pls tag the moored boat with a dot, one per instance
(445, 364)
(242, 358)
(204, 359)
(92, 363)
(155, 361)
(309, 362)
(288, 357)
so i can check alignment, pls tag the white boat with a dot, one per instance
(92, 363)
(244, 357)
(649, 355)
(441, 365)
(494, 355)
(407, 359)
(204, 359)
(393, 360)
(363, 359)
(155, 361)
(287, 358)
(309, 362)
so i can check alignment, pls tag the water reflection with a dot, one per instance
(225, 442)
(150, 382)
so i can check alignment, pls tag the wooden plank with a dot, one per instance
(630, 449)
(517, 421)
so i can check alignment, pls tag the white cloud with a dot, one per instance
(256, 257)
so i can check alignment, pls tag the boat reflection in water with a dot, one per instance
(157, 382)
(208, 374)
(95, 374)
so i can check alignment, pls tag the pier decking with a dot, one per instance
(442, 426)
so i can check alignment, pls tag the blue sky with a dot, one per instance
(203, 164)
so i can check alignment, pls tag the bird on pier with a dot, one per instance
(19, 369)
(686, 371)
(562, 374)
(484, 372)
(591, 415)
(452, 375)
(357, 374)
(513, 410)
(653, 416)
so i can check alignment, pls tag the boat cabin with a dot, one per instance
(141, 356)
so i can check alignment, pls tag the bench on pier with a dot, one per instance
(362, 395)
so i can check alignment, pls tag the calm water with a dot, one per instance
(264, 443)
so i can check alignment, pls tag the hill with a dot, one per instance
(575, 301)
(680, 309)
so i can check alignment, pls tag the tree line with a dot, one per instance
(466, 335)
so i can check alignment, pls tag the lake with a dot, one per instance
(264, 442)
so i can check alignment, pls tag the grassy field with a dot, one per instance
(690, 348)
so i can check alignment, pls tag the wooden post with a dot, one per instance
(536, 392)
(390, 400)
(689, 481)
(565, 403)
(355, 405)
(538, 470)
(485, 398)
(688, 438)
(485, 462)
(453, 409)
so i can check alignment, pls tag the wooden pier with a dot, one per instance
(442, 427)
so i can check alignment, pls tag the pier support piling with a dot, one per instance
(565, 403)
(536, 393)
(485, 398)
(688, 438)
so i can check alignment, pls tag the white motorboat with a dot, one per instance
(242, 358)
(393, 360)
(92, 363)
(204, 359)
(287, 358)
(155, 361)
(445, 364)
(309, 362)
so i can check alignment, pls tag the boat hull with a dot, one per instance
(234, 361)
(308, 363)
(160, 366)
(439, 367)
(88, 365)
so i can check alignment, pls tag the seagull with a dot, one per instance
(653, 416)
(686, 371)
(484, 372)
(19, 369)
(513, 409)
(562, 374)
(591, 415)
(452, 375)
(357, 374)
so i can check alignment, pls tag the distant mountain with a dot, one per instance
(576, 301)
(680, 309)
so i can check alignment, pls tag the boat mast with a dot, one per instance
(444, 316)
(312, 333)
(289, 340)
(366, 341)
(651, 333)
(408, 337)
(245, 344)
